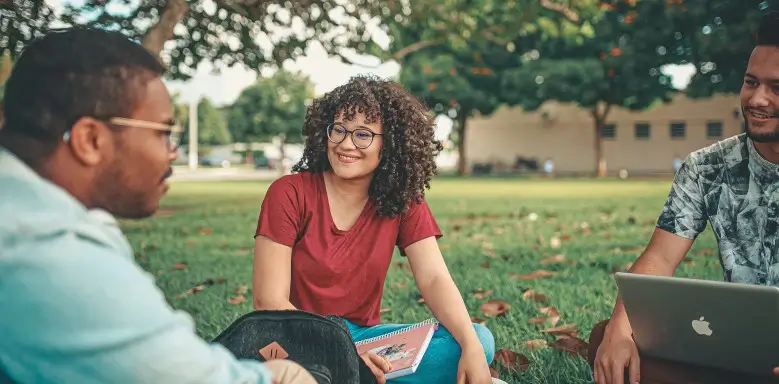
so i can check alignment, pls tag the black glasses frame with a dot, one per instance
(350, 132)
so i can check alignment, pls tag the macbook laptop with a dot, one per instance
(710, 323)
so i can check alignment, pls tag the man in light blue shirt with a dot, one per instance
(88, 135)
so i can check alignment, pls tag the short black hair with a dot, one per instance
(768, 29)
(66, 75)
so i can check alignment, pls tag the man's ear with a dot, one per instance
(88, 139)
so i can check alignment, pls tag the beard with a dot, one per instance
(759, 136)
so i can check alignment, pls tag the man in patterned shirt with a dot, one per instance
(732, 185)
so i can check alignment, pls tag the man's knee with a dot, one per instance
(596, 337)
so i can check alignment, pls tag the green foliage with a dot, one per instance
(211, 123)
(270, 107)
(619, 65)
(22, 21)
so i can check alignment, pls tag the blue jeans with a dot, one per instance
(439, 365)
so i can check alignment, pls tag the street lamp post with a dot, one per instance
(193, 134)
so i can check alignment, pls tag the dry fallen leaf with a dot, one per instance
(485, 264)
(535, 344)
(399, 285)
(236, 300)
(565, 237)
(552, 314)
(535, 296)
(494, 308)
(511, 361)
(573, 345)
(206, 231)
(421, 300)
(487, 246)
(478, 320)
(480, 294)
(565, 329)
(556, 259)
(705, 252)
(241, 252)
(457, 227)
(384, 310)
(241, 289)
(536, 320)
(555, 242)
(189, 243)
(533, 275)
(180, 266)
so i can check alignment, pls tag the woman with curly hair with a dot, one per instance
(326, 233)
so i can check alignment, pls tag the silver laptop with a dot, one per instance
(710, 323)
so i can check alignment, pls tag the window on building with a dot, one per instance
(642, 130)
(714, 129)
(609, 131)
(678, 130)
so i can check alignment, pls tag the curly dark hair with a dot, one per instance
(408, 157)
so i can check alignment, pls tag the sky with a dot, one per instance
(325, 72)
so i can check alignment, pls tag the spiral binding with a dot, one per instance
(399, 331)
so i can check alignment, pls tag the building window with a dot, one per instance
(642, 130)
(677, 130)
(609, 131)
(714, 129)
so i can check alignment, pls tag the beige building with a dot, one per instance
(642, 143)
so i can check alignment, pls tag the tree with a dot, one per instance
(260, 32)
(22, 21)
(273, 107)
(461, 78)
(5, 71)
(620, 66)
(719, 37)
(211, 124)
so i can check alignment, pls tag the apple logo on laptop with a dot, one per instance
(701, 327)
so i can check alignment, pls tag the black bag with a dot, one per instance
(321, 344)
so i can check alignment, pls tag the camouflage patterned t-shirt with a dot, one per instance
(735, 189)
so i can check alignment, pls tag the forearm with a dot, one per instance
(446, 303)
(648, 264)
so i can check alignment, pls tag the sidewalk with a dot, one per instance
(183, 173)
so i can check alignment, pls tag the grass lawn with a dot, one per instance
(497, 233)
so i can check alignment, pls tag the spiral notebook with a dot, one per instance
(404, 348)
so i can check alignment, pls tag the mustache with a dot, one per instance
(760, 111)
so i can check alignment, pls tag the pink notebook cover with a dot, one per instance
(404, 348)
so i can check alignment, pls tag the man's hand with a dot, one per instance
(617, 351)
(379, 365)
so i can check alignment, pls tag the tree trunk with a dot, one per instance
(600, 162)
(282, 141)
(462, 163)
(170, 15)
(599, 118)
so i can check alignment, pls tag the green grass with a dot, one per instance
(209, 226)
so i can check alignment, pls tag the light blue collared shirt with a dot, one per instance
(76, 308)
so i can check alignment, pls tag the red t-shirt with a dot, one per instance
(337, 272)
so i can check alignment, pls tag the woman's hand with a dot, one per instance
(473, 368)
(379, 365)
